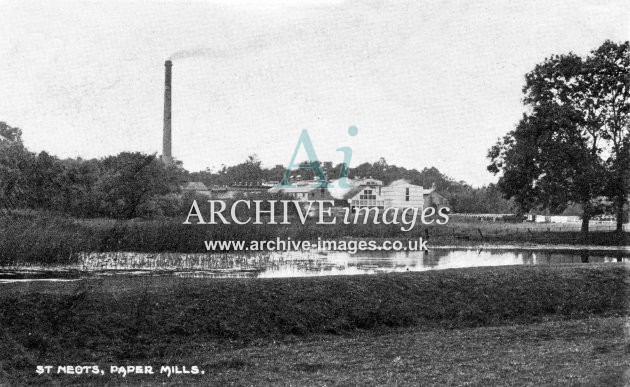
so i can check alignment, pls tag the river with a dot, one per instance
(305, 263)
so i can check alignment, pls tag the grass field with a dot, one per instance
(590, 352)
(540, 325)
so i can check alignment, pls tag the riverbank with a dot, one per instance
(537, 247)
(49, 239)
(201, 322)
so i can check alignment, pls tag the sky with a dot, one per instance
(426, 83)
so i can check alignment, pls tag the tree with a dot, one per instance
(45, 182)
(79, 195)
(557, 154)
(10, 134)
(129, 180)
(14, 161)
(608, 69)
(248, 172)
(484, 200)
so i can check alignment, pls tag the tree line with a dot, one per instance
(133, 184)
(462, 197)
(128, 185)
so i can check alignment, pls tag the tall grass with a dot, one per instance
(44, 238)
(121, 310)
(51, 239)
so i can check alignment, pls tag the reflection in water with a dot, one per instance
(306, 263)
(13, 280)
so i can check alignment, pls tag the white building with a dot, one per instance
(362, 193)
(402, 194)
(399, 194)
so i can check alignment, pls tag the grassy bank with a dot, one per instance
(127, 320)
(50, 239)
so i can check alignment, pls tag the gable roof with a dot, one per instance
(401, 182)
(352, 192)
(369, 181)
(356, 186)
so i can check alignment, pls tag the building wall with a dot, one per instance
(305, 194)
(319, 194)
(369, 196)
(396, 196)
(436, 200)
(390, 196)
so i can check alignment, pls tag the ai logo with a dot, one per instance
(314, 165)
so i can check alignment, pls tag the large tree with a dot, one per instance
(14, 160)
(130, 179)
(563, 150)
(608, 71)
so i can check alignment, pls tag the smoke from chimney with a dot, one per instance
(245, 46)
(166, 140)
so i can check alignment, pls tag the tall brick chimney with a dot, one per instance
(167, 156)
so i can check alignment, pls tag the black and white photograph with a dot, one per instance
(314, 193)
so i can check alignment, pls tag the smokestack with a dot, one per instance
(166, 140)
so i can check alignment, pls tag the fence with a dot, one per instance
(560, 233)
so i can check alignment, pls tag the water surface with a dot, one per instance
(303, 264)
